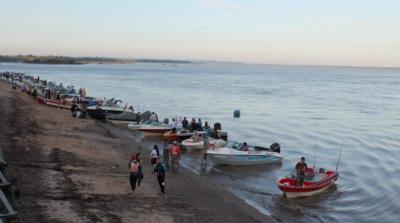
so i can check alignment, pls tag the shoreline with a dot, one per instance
(75, 170)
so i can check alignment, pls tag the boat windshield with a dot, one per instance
(237, 146)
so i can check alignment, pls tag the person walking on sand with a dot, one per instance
(175, 152)
(155, 153)
(140, 170)
(160, 172)
(133, 172)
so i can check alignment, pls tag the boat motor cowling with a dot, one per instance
(275, 147)
(217, 126)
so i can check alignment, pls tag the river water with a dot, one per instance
(305, 109)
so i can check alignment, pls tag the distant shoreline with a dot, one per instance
(32, 59)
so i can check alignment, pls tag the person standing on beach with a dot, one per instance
(155, 153)
(140, 170)
(175, 156)
(84, 105)
(160, 172)
(133, 172)
(166, 154)
(74, 109)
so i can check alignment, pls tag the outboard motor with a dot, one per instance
(275, 147)
(217, 126)
(166, 121)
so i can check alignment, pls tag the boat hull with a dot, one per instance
(309, 188)
(243, 160)
(153, 131)
(134, 126)
(305, 194)
(170, 136)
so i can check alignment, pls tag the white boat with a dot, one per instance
(137, 126)
(154, 129)
(191, 143)
(111, 106)
(238, 154)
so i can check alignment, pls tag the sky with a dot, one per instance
(307, 32)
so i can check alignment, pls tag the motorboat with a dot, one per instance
(154, 129)
(314, 182)
(111, 106)
(138, 125)
(193, 143)
(126, 117)
(179, 135)
(237, 154)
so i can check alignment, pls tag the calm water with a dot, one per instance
(302, 108)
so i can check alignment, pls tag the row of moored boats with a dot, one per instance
(213, 141)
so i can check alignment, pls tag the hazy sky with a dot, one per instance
(331, 32)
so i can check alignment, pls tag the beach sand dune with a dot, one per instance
(73, 170)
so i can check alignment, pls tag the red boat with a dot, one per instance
(314, 182)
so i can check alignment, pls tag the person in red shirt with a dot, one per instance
(175, 153)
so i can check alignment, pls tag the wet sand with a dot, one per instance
(74, 170)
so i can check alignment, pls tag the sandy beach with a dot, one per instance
(74, 170)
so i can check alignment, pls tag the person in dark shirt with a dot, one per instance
(160, 172)
(74, 109)
(185, 123)
(137, 118)
(301, 168)
(193, 125)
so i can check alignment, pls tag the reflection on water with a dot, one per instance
(297, 106)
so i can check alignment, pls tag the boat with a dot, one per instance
(191, 143)
(126, 117)
(314, 182)
(137, 126)
(111, 106)
(154, 129)
(238, 154)
(179, 135)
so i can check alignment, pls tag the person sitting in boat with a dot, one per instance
(185, 123)
(301, 168)
(245, 147)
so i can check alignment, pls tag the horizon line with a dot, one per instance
(209, 61)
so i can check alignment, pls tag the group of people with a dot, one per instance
(195, 126)
(171, 155)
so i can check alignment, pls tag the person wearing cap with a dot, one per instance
(301, 168)
(175, 153)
